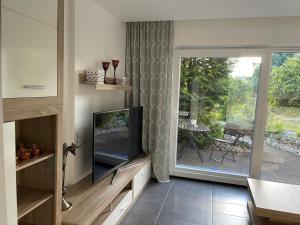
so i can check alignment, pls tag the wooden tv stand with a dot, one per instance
(107, 201)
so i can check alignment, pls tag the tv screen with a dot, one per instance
(117, 139)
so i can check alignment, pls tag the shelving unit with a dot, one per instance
(36, 178)
(30, 198)
(37, 185)
(33, 161)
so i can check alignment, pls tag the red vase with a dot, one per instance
(115, 64)
(105, 66)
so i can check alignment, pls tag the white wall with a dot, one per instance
(251, 31)
(98, 37)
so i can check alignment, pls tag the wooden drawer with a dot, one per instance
(141, 178)
(119, 211)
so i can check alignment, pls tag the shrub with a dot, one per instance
(275, 127)
(298, 133)
(285, 84)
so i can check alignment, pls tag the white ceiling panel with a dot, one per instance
(149, 10)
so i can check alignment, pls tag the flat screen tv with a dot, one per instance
(117, 137)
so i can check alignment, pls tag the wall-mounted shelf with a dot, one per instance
(33, 161)
(109, 87)
(105, 87)
(30, 198)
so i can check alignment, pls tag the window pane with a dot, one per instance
(281, 157)
(217, 112)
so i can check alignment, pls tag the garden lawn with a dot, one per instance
(289, 117)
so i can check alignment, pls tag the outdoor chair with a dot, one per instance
(225, 147)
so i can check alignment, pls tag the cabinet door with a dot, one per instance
(29, 48)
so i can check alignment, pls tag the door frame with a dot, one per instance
(260, 113)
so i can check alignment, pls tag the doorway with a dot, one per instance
(217, 118)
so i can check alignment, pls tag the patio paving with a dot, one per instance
(277, 165)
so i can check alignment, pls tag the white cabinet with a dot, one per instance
(141, 179)
(40, 10)
(29, 48)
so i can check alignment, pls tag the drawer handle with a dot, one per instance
(32, 86)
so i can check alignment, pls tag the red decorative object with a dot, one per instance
(105, 66)
(36, 150)
(24, 153)
(115, 64)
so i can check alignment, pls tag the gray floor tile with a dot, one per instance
(189, 202)
(230, 194)
(169, 220)
(146, 205)
(230, 209)
(222, 219)
(175, 199)
(187, 214)
(156, 190)
(191, 188)
(139, 219)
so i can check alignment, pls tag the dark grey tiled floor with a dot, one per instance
(190, 202)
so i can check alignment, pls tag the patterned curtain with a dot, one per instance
(149, 55)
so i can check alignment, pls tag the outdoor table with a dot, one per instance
(237, 131)
(185, 124)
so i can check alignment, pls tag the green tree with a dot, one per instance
(285, 84)
(204, 92)
(279, 58)
(204, 82)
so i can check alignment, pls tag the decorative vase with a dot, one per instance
(105, 66)
(115, 64)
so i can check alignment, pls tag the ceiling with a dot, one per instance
(148, 10)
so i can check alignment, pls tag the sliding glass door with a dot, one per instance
(215, 112)
(281, 152)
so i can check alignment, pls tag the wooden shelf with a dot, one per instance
(30, 198)
(33, 161)
(105, 87)
(110, 87)
(24, 223)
